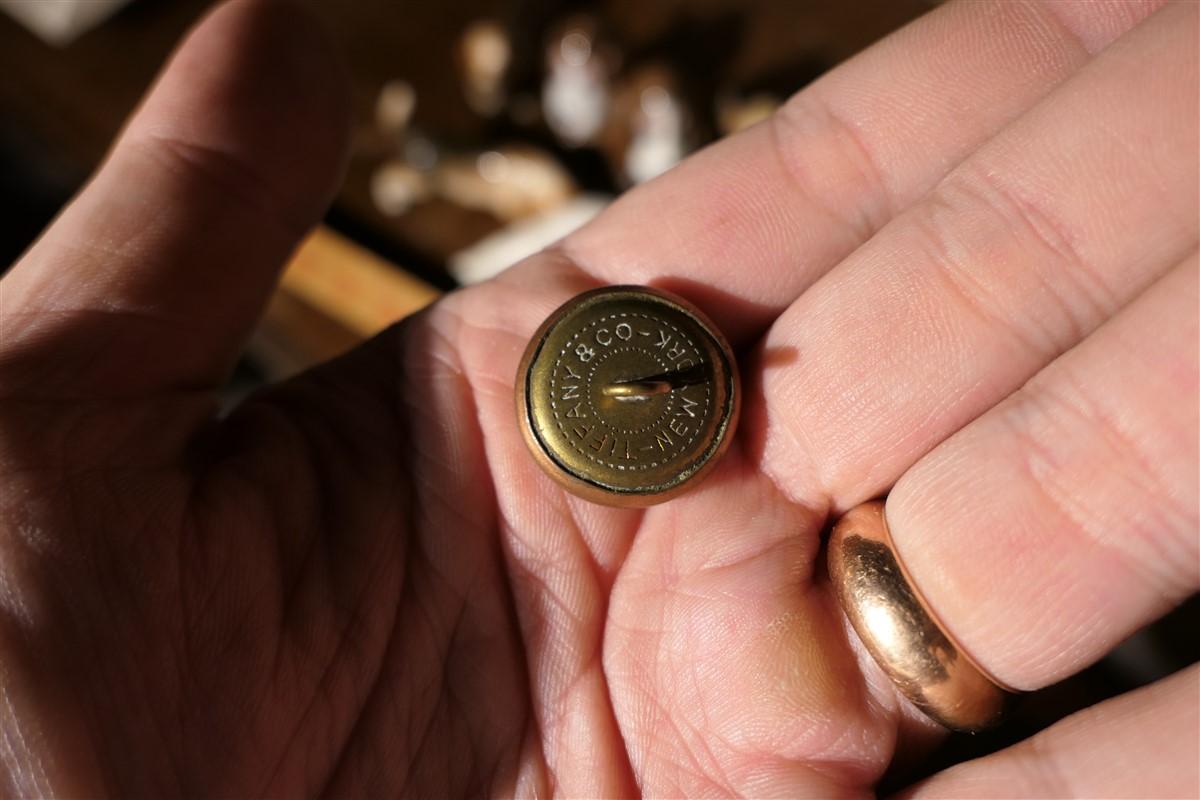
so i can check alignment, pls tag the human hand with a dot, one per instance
(963, 264)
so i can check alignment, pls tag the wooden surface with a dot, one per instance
(333, 295)
(353, 286)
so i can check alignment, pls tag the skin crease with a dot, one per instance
(358, 583)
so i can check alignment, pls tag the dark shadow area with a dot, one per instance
(753, 429)
(1153, 653)
(741, 320)
(784, 80)
(34, 185)
(701, 50)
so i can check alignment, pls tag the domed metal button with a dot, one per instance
(627, 395)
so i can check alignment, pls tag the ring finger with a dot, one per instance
(1064, 519)
(1015, 257)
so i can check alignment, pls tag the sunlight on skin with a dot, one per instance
(360, 583)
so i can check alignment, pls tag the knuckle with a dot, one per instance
(225, 176)
(1102, 477)
(1012, 259)
(810, 135)
(942, 231)
(1056, 261)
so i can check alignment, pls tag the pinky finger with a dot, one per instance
(1141, 744)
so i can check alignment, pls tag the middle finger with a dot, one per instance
(1018, 254)
(760, 216)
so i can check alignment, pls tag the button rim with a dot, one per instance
(597, 492)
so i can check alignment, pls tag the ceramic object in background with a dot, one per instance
(60, 22)
(651, 125)
(484, 57)
(576, 91)
(736, 113)
(497, 251)
(396, 186)
(509, 182)
(394, 107)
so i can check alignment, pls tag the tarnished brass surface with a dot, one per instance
(901, 632)
(627, 395)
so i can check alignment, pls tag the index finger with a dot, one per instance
(745, 226)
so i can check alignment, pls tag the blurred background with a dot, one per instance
(484, 130)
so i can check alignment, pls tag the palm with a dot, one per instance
(341, 594)
(361, 583)
(356, 580)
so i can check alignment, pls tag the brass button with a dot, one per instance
(627, 395)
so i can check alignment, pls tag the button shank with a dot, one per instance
(627, 395)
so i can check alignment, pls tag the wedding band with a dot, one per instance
(900, 630)
(627, 395)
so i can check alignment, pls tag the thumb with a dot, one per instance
(153, 276)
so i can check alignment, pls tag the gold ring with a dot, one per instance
(900, 630)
